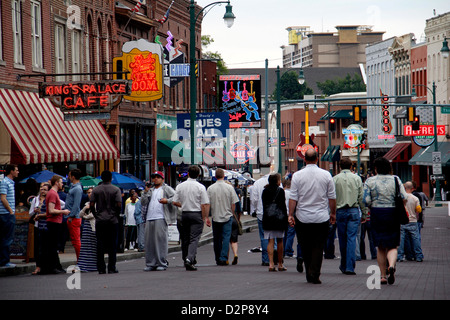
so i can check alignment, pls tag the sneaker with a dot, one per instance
(8, 265)
(160, 269)
(189, 266)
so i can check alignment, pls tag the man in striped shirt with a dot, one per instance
(7, 217)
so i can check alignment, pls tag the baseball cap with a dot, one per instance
(158, 173)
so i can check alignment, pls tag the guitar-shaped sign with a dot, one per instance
(225, 97)
(245, 93)
(232, 92)
(252, 93)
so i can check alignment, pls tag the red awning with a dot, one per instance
(42, 136)
(396, 150)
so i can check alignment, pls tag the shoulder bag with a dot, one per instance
(273, 216)
(400, 210)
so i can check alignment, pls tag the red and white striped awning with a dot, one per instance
(42, 136)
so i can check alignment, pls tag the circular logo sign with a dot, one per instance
(353, 135)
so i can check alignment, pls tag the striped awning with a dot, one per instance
(42, 136)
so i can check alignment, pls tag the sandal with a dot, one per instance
(283, 268)
(391, 277)
(36, 271)
(383, 280)
(272, 269)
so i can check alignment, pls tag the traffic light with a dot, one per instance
(332, 124)
(411, 114)
(356, 114)
(416, 123)
(384, 98)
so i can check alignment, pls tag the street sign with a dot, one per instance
(436, 156)
(179, 70)
(445, 110)
(437, 177)
(437, 168)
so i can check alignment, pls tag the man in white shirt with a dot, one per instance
(222, 200)
(313, 199)
(158, 212)
(193, 199)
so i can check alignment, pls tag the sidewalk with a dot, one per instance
(68, 258)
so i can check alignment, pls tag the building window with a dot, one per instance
(17, 31)
(76, 59)
(36, 34)
(60, 51)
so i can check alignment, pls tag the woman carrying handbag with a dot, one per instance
(275, 219)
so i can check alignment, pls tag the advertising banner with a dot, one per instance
(240, 97)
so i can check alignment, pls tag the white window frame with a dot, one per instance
(36, 34)
(16, 7)
(76, 53)
(60, 50)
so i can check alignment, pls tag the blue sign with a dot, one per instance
(179, 70)
(208, 125)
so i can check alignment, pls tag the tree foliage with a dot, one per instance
(221, 66)
(290, 89)
(347, 84)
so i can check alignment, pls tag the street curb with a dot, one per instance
(247, 226)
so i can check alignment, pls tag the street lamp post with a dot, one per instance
(436, 148)
(280, 170)
(229, 20)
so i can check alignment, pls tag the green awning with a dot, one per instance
(424, 156)
(331, 154)
(164, 150)
(342, 114)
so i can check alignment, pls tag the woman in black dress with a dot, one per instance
(274, 229)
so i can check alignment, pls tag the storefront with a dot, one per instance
(33, 133)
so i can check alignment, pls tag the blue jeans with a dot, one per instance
(347, 221)
(410, 232)
(264, 242)
(221, 237)
(366, 228)
(329, 245)
(7, 225)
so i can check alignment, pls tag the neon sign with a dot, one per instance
(83, 95)
(144, 60)
(242, 152)
(241, 96)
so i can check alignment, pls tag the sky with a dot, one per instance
(259, 29)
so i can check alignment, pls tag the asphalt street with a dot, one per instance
(248, 280)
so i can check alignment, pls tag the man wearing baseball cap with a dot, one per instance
(158, 212)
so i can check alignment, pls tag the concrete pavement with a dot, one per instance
(249, 282)
(68, 258)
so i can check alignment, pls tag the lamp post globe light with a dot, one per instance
(445, 51)
(229, 20)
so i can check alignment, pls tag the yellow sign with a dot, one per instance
(144, 62)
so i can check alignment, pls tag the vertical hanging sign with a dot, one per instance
(144, 61)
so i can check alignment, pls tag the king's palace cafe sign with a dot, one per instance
(100, 96)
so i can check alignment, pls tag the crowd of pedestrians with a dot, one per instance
(310, 205)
